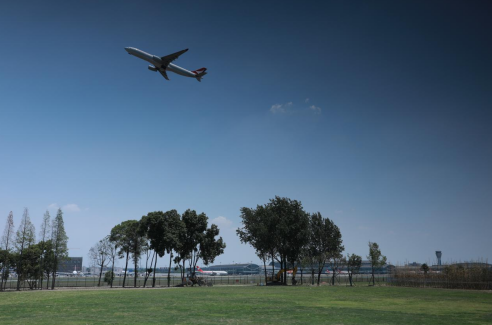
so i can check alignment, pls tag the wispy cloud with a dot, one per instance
(315, 109)
(53, 206)
(307, 100)
(71, 207)
(280, 108)
(222, 222)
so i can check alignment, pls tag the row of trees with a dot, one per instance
(185, 238)
(32, 260)
(281, 231)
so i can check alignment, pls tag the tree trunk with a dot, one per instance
(273, 267)
(147, 274)
(112, 270)
(169, 270)
(350, 278)
(372, 271)
(47, 281)
(19, 268)
(53, 279)
(155, 266)
(312, 276)
(135, 273)
(53, 274)
(100, 274)
(264, 268)
(126, 269)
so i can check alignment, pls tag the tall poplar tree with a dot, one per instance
(7, 242)
(25, 237)
(59, 240)
(44, 236)
(377, 259)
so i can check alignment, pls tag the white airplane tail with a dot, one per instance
(200, 73)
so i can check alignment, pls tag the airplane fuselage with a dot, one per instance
(157, 62)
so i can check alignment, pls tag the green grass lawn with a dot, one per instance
(248, 305)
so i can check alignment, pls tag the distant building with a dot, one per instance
(242, 269)
(70, 264)
(365, 268)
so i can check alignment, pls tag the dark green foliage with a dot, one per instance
(425, 268)
(353, 265)
(281, 230)
(376, 258)
(324, 243)
(59, 240)
(108, 277)
(197, 242)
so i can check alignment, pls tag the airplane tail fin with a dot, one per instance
(200, 73)
(199, 269)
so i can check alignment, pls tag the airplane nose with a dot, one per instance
(127, 49)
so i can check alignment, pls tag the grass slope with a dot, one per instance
(248, 305)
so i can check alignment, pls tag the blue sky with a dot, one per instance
(375, 114)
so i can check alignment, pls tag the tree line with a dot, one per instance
(32, 260)
(185, 238)
(281, 231)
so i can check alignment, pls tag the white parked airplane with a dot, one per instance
(163, 64)
(211, 272)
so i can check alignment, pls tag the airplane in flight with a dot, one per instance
(163, 64)
(211, 272)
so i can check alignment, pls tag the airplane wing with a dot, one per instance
(171, 57)
(164, 74)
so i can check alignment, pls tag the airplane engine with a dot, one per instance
(152, 68)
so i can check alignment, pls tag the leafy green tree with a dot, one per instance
(122, 238)
(257, 230)
(113, 253)
(44, 235)
(59, 241)
(48, 264)
(210, 247)
(156, 228)
(425, 268)
(100, 253)
(353, 265)
(109, 277)
(197, 241)
(195, 225)
(31, 270)
(176, 228)
(376, 259)
(324, 242)
(25, 237)
(292, 231)
(138, 245)
(6, 247)
(335, 249)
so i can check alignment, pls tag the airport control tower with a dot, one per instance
(438, 255)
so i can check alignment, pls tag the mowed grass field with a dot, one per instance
(248, 305)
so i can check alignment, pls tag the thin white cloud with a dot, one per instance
(280, 108)
(315, 109)
(71, 207)
(307, 100)
(53, 206)
(222, 222)
(277, 108)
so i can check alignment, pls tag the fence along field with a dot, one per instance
(476, 277)
(161, 281)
